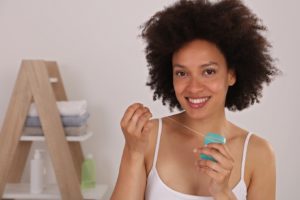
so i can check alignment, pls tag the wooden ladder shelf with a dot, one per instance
(33, 85)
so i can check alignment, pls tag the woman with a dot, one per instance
(203, 57)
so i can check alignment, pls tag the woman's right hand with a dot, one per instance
(136, 126)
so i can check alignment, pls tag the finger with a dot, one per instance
(142, 121)
(222, 148)
(137, 115)
(129, 113)
(196, 152)
(210, 151)
(218, 177)
(148, 126)
(228, 152)
(147, 129)
(132, 124)
(213, 166)
(218, 156)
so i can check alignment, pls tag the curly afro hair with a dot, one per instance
(231, 26)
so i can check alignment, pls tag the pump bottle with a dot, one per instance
(88, 173)
(37, 173)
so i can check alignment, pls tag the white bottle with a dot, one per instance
(37, 173)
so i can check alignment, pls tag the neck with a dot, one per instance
(216, 124)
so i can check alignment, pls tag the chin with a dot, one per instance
(196, 114)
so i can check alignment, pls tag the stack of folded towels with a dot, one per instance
(73, 115)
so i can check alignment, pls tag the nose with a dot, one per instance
(195, 85)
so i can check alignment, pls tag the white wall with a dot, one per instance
(101, 59)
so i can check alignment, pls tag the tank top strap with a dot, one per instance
(157, 142)
(245, 148)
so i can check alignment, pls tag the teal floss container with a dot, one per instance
(212, 138)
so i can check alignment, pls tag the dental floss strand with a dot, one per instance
(181, 124)
(208, 138)
(192, 130)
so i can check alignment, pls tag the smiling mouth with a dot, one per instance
(197, 102)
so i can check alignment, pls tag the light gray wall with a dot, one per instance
(101, 59)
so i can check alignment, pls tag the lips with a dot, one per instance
(198, 102)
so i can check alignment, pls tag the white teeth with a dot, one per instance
(200, 100)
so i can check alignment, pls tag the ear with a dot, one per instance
(231, 77)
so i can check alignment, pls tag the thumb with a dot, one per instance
(147, 128)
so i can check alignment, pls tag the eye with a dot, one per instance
(209, 72)
(180, 73)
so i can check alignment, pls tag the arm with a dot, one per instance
(262, 184)
(132, 178)
(136, 127)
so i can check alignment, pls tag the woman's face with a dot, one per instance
(201, 78)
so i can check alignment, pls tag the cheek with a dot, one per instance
(217, 87)
(178, 86)
(179, 89)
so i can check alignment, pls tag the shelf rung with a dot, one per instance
(79, 138)
(22, 191)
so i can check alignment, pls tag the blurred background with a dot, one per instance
(101, 59)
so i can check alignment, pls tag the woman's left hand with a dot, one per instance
(218, 171)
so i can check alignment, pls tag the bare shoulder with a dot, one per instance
(261, 156)
(260, 149)
(261, 165)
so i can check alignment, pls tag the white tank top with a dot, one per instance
(156, 189)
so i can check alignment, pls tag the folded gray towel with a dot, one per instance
(66, 120)
(70, 131)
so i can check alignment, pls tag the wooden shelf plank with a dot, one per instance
(35, 82)
(22, 191)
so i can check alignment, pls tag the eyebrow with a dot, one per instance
(203, 65)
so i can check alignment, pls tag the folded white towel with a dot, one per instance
(65, 108)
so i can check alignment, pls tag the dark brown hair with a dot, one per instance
(230, 25)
